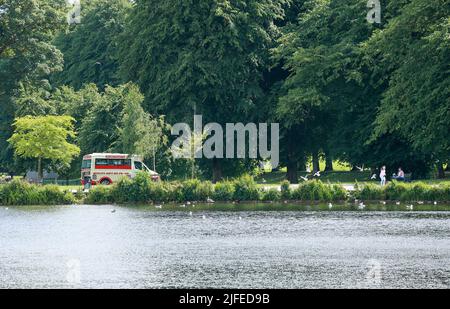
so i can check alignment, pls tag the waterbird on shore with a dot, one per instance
(383, 202)
(420, 203)
(183, 206)
(361, 206)
(410, 207)
(188, 203)
(210, 201)
(435, 203)
(398, 203)
(330, 206)
(158, 206)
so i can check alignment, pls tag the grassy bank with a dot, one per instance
(397, 191)
(19, 192)
(142, 190)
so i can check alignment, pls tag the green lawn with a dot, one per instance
(343, 177)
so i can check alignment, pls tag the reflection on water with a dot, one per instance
(92, 247)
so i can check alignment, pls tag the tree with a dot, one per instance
(99, 130)
(416, 104)
(140, 133)
(27, 56)
(90, 48)
(45, 138)
(203, 57)
(320, 52)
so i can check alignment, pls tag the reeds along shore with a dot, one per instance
(142, 190)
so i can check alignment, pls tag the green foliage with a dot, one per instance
(317, 191)
(271, 195)
(286, 190)
(370, 192)
(416, 103)
(90, 48)
(399, 191)
(100, 129)
(27, 57)
(246, 189)
(120, 192)
(224, 191)
(196, 190)
(45, 137)
(203, 54)
(99, 195)
(20, 193)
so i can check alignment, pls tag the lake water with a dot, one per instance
(94, 247)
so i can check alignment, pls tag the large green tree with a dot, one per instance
(203, 57)
(320, 52)
(27, 56)
(412, 55)
(90, 48)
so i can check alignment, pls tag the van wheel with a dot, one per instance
(105, 182)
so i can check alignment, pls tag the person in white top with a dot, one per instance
(383, 176)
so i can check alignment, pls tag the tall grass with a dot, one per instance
(143, 190)
(398, 191)
(318, 191)
(20, 193)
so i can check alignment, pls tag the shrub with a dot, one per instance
(19, 193)
(99, 195)
(121, 191)
(396, 191)
(271, 195)
(315, 190)
(53, 195)
(246, 189)
(224, 191)
(195, 190)
(370, 192)
(312, 191)
(339, 193)
(286, 190)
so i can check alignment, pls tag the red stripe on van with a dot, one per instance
(113, 167)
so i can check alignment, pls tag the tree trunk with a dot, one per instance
(40, 172)
(292, 159)
(316, 162)
(301, 166)
(217, 170)
(328, 162)
(441, 172)
(292, 171)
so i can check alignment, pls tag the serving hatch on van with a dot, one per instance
(107, 168)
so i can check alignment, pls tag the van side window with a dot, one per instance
(138, 166)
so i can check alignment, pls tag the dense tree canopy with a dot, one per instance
(90, 48)
(341, 87)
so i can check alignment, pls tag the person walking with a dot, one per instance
(383, 176)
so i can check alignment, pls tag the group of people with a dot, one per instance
(400, 176)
